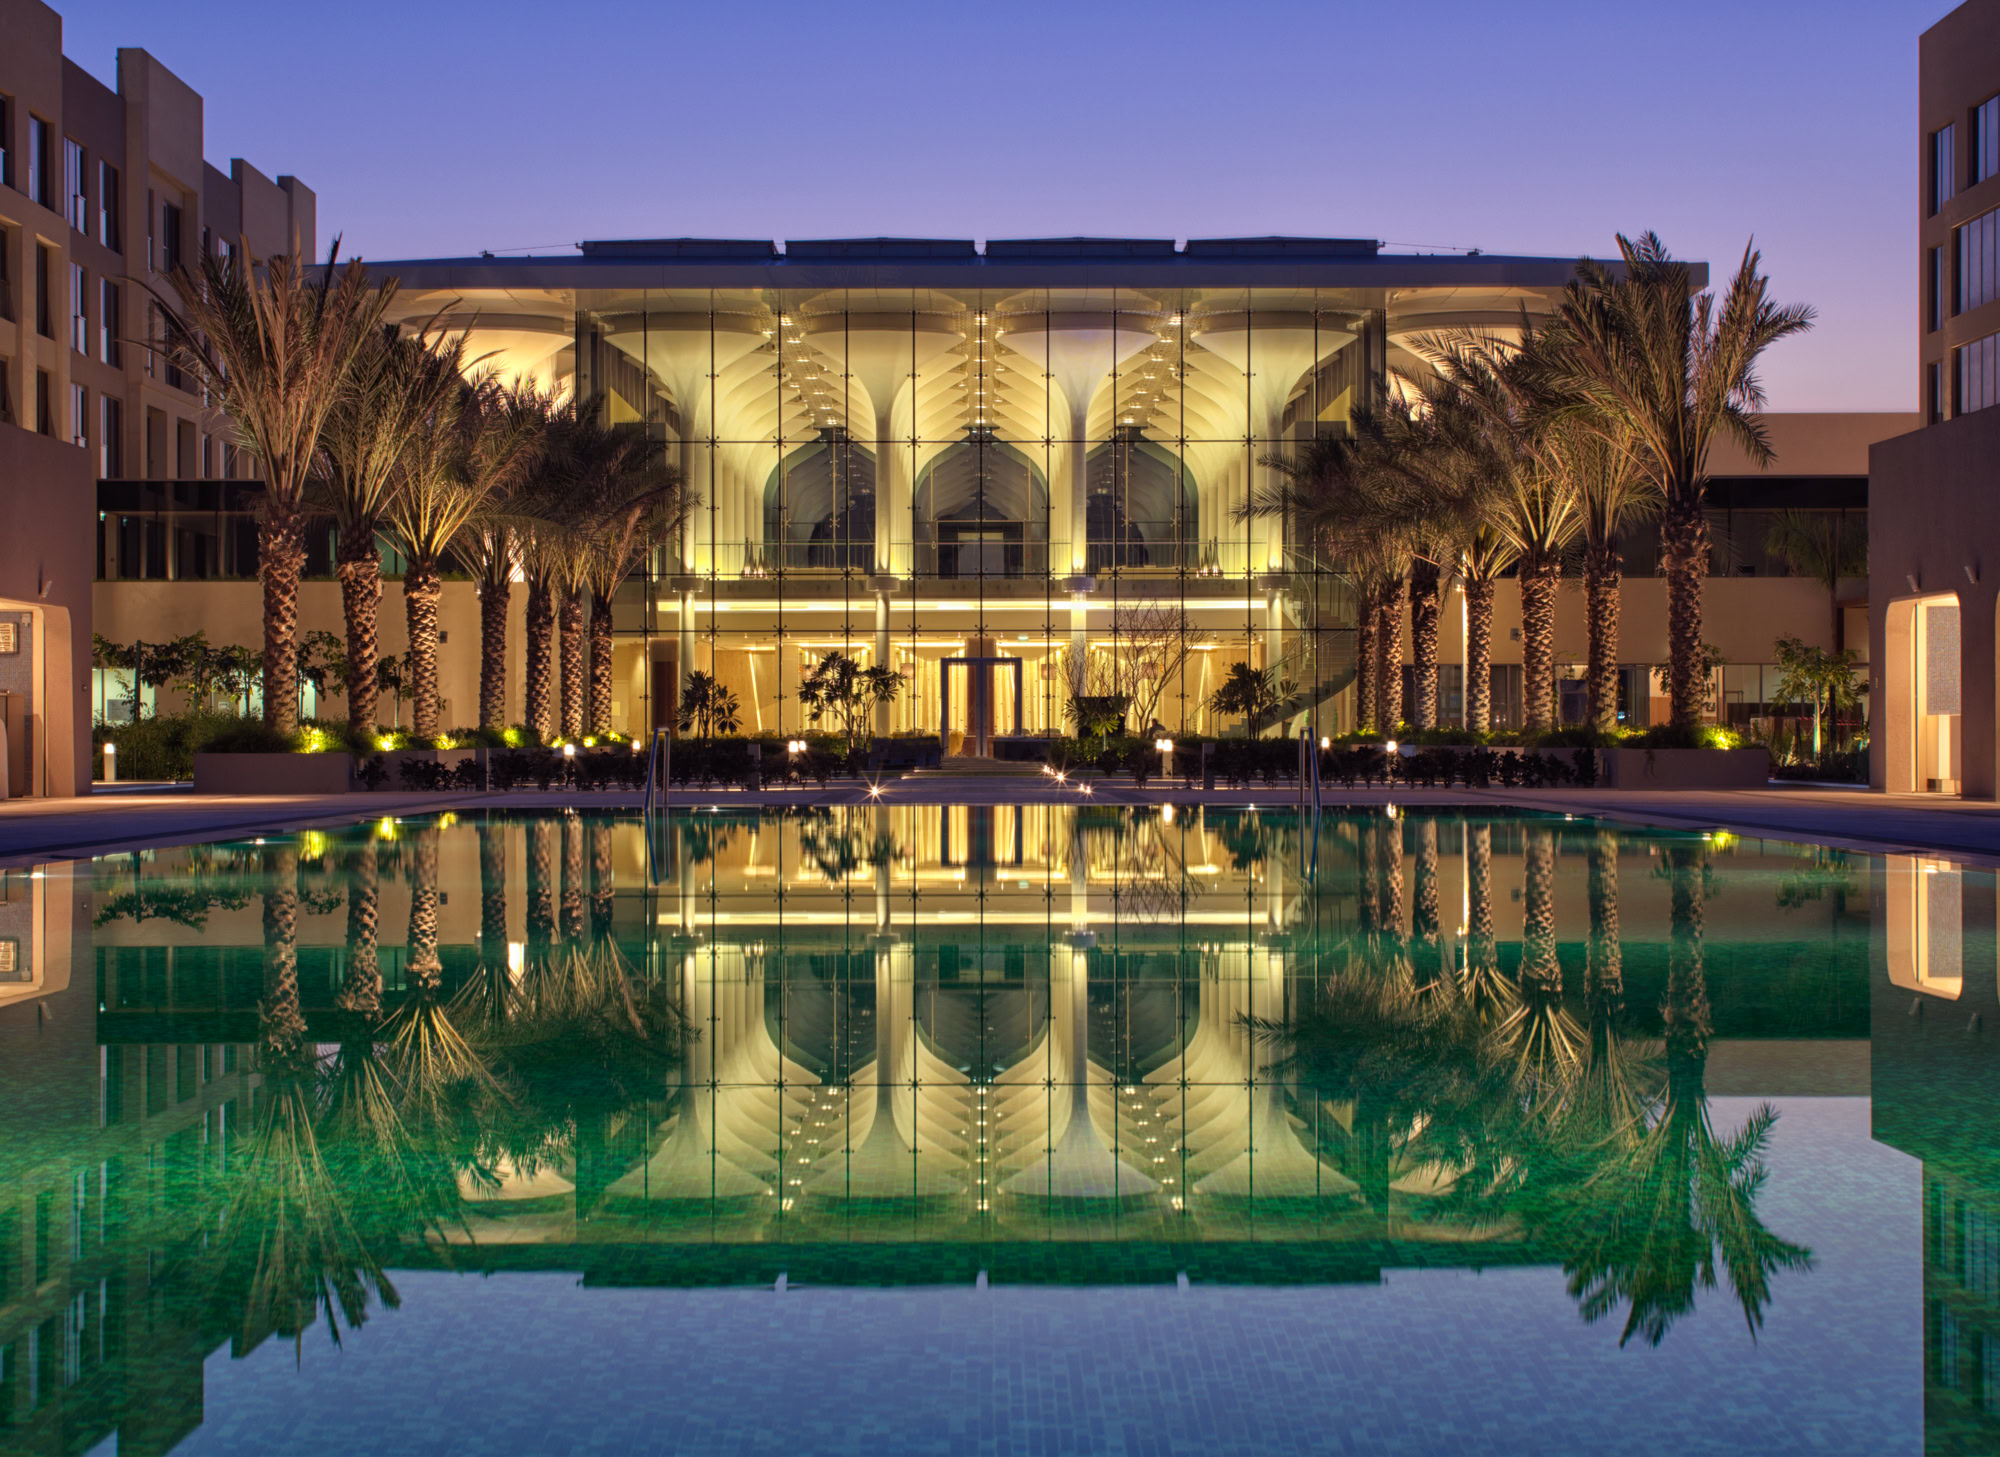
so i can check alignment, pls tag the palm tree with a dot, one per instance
(436, 498)
(1823, 546)
(1612, 494)
(1647, 358)
(274, 348)
(640, 502)
(1485, 557)
(506, 427)
(1484, 403)
(361, 447)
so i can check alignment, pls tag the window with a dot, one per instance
(45, 266)
(6, 138)
(170, 237)
(110, 322)
(6, 275)
(79, 415)
(1934, 314)
(1978, 382)
(73, 199)
(79, 323)
(152, 339)
(39, 181)
(6, 396)
(1986, 139)
(1978, 275)
(45, 405)
(1935, 389)
(111, 438)
(1944, 166)
(108, 231)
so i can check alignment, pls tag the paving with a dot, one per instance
(34, 830)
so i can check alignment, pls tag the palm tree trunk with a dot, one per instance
(541, 890)
(1538, 643)
(571, 631)
(1368, 871)
(492, 896)
(1604, 968)
(1479, 654)
(426, 971)
(360, 569)
(1480, 949)
(281, 561)
(1540, 970)
(1365, 665)
(1424, 606)
(1684, 562)
(494, 599)
(1602, 571)
(603, 881)
(422, 589)
(573, 887)
(539, 629)
(281, 1021)
(599, 718)
(1426, 919)
(1685, 1015)
(1391, 832)
(361, 987)
(1389, 657)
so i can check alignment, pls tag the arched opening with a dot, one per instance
(819, 506)
(1925, 924)
(1140, 510)
(982, 509)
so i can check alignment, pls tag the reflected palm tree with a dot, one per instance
(1539, 1033)
(434, 1066)
(1651, 1224)
(283, 1246)
(1618, 1080)
(1489, 994)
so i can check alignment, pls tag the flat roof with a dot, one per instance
(751, 263)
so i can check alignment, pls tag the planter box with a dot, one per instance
(1683, 768)
(273, 773)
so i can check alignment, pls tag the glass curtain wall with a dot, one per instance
(1056, 477)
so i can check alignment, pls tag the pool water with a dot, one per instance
(1011, 1129)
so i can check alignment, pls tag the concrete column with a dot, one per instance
(882, 710)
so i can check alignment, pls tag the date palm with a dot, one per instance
(1648, 357)
(435, 498)
(1822, 546)
(504, 431)
(1485, 557)
(273, 344)
(1484, 400)
(1612, 494)
(638, 502)
(361, 446)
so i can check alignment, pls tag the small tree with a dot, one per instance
(1253, 693)
(708, 708)
(840, 688)
(1822, 680)
(392, 676)
(322, 657)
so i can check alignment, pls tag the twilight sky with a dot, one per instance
(431, 128)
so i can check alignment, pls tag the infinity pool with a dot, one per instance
(1020, 1130)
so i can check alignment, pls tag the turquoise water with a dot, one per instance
(1032, 1130)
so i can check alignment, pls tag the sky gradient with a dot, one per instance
(435, 129)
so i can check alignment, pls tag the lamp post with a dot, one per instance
(110, 762)
(1166, 748)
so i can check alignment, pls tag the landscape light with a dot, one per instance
(1391, 746)
(569, 751)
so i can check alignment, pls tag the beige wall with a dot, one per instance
(46, 552)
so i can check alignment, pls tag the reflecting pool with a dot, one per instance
(1012, 1129)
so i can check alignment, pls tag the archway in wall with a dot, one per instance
(1141, 509)
(982, 509)
(819, 505)
(36, 724)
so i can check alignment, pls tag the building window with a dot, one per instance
(1978, 276)
(1978, 382)
(45, 404)
(1944, 166)
(79, 323)
(45, 267)
(1934, 384)
(6, 274)
(1986, 139)
(73, 199)
(79, 415)
(111, 438)
(1934, 313)
(39, 181)
(110, 322)
(108, 231)
(6, 140)
(170, 237)
(6, 396)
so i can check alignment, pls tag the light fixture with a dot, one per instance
(569, 751)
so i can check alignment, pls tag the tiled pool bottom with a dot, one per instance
(1438, 1360)
(609, 1114)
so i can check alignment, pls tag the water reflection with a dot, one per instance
(854, 1041)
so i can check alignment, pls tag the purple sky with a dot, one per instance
(432, 128)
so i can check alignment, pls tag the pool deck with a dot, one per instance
(139, 817)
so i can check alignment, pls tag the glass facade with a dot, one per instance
(927, 452)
